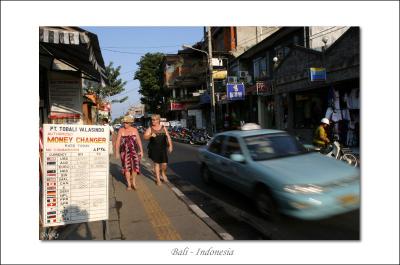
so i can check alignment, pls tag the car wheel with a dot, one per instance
(266, 205)
(206, 175)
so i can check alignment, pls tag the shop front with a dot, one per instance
(312, 85)
(307, 108)
(67, 57)
(261, 95)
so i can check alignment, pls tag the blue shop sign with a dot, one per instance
(235, 91)
(317, 74)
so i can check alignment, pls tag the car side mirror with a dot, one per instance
(238, 158)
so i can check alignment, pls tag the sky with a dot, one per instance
(124, 46)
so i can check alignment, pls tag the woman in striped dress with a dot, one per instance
(129, 149)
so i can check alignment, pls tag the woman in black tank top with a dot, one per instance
(160, 144)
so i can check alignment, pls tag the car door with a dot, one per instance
(212, 157)
(234, 173)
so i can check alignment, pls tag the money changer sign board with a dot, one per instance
(76, 170)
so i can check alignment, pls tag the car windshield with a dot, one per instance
(269, 146)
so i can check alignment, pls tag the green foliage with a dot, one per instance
(116, 84)
(150, 76)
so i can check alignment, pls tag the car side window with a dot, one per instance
(216, 145)
(232, 146)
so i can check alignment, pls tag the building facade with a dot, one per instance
(69, 58)
(185, 75)
(335, 96)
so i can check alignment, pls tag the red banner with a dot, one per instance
(177, 106)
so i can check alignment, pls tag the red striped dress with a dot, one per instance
(129, 156)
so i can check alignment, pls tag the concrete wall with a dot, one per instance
(318, 33)
(250, 36)
(343, 58)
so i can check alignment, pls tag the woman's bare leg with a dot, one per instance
(157, 171)
(164, 172)
(133, 179)
(128, 179)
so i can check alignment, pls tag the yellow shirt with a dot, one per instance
(320, 136)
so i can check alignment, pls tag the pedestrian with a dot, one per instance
(110, 146)
(129, 148)
(159, 144)
(321, 139)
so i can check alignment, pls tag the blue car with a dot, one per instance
(273, 168)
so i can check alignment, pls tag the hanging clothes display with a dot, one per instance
(328, 113)
(336, 115)
(353, 99)
(346, 114)
(336, 102)
(343, 112)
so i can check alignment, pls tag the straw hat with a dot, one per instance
(127, 119)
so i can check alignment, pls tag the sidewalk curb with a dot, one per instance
(201, 214)
(222, 233)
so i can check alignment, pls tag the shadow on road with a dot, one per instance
(115, 170)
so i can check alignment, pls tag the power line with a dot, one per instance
(314, 37)
(128, 72)
(253, 38)
(140, 47)
(126, 92)
(131, 52)
(122, 51)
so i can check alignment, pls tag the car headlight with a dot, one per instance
(304, 189)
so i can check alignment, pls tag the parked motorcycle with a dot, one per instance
(338, 151)
(190, 136)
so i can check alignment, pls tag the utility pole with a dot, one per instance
(211, 80)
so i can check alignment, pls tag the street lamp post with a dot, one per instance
(210, 84)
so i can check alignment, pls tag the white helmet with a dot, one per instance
(325, 120)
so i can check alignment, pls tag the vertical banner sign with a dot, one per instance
(235, 91)
(76, 172)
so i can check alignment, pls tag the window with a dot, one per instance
(260, 68)
(232, 147)
(216, 144)
(269, 146)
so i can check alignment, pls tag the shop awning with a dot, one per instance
(76, 47)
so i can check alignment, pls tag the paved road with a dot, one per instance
(236, 214)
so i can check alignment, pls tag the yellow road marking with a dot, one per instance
(158, 219)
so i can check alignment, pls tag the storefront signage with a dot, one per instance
(177, 106)
(317, 74)
(220, 74)
(65, 96)
(263, 88)
(76, 173)
(235, 91)
(216, 62)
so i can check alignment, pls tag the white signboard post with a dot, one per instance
(76, 171)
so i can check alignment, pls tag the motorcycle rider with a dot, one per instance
(321, 139)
